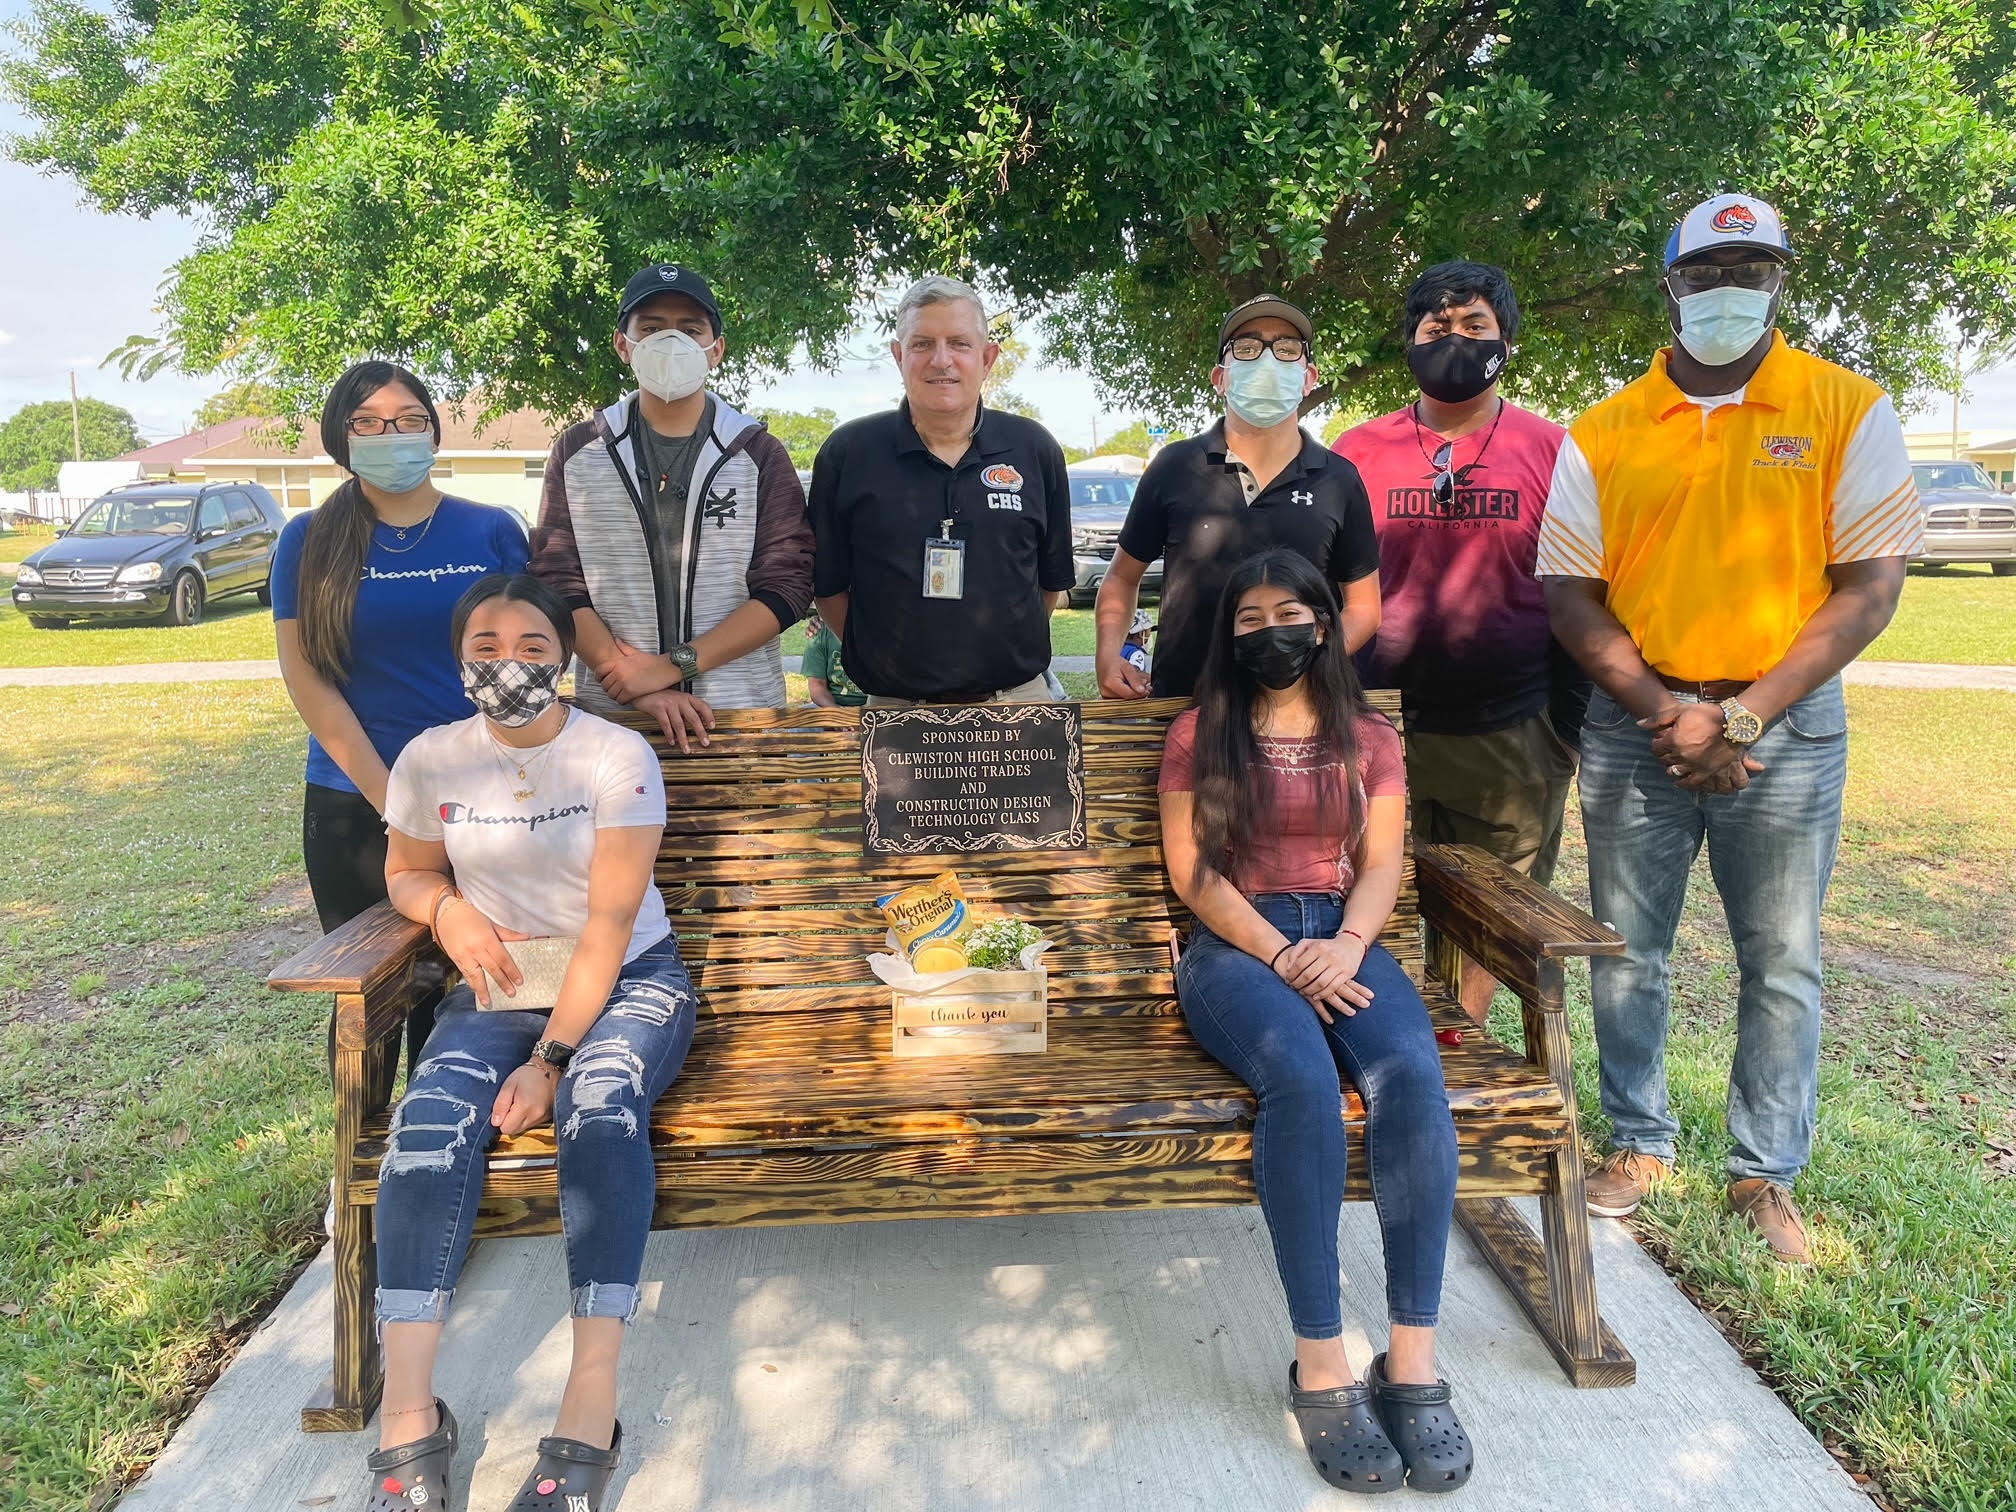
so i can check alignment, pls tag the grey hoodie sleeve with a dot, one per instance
(780, 566)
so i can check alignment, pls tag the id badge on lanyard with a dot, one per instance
(944, 565)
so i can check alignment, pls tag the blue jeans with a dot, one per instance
(1259, 1027)
(1771, 851)
(431, 1177)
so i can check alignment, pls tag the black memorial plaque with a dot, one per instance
(972, 777)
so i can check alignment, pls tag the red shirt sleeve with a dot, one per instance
(1382, 765)
(1178, 749)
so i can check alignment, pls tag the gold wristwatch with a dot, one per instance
(1739, 726)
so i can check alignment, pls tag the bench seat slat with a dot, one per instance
(977, 1178)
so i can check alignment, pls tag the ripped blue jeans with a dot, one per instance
(431, 1178)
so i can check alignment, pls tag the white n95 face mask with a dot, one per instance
(1719, 325)
(669, 364)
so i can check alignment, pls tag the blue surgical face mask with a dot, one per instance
(1265, 391)
(1719, 325)
(398, 464)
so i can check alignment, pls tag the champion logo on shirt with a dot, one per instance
(432, 574)
(462, 813)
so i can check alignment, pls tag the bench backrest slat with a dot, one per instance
(773, 900)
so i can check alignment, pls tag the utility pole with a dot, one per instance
(76, 425)
(1959, 382)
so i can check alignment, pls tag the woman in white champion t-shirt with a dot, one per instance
(530, 821)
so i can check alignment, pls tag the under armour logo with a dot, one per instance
(1298, 496)
(720, 507)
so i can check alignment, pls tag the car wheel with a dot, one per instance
(2003, 569)
(265, 593)
(48, 622)
(185, 601)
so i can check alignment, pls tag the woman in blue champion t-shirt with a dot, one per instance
(364, 589)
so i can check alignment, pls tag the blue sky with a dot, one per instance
(75, 284)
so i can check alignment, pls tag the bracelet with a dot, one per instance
(1354, 935)
(443, 896)
(1280, 953)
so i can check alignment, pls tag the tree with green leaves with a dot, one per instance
(251, 399)
(801, 434)
(37, 439)
(462, 184)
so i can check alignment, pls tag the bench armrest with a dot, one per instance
(1502, 919)
(379, 965)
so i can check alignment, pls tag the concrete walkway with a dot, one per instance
(1111, 1361)
(1873, 674)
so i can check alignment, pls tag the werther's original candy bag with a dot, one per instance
(929, 920)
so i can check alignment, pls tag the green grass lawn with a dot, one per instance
(1900, 1345)
(16, 544)
(238, 629)
(164, 1122)
(1952, 614)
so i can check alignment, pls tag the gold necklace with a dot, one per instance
(505, 765)
(400, 531)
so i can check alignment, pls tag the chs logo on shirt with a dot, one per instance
(1735, 220)
(1786, 451)
(1009, 481)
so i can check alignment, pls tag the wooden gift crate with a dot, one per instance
(1013, 1006)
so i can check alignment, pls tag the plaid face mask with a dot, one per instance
(513, 693)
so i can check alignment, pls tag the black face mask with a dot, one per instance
(1277, 656)
(1456, 369)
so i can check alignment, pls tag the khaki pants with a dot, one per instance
(1503, 792)
(1036, 690)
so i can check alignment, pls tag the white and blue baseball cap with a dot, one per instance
(1729, 220)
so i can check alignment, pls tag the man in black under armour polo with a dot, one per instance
(999, 517)
(1203, 508)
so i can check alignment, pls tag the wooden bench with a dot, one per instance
(791, 1108)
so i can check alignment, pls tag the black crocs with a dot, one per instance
(1423, 1428)
(570, 1476)
(1346, 1443)
(414, 1477)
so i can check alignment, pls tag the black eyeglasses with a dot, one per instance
(1699, 278)
(403, 425)
(1246, 348)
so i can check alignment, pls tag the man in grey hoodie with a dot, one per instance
(674, 526)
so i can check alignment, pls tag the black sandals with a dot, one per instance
(1346, 1442)
(570, 1476)
(1423, 1428)
(414, 1477)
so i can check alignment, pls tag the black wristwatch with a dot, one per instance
(553, 1053)
(687, 660)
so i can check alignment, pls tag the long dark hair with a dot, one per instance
(516, 588)
(1235, 797)
(339, 532)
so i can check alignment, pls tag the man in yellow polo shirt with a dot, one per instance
(1721, 539)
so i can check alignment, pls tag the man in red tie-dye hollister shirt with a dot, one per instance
(1458, 484)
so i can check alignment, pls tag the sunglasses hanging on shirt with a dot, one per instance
(1447, 479)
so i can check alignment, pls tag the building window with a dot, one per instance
(536, 469)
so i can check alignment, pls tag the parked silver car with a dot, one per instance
(1099, 503)
(1967, 519)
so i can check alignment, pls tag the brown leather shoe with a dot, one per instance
(1774, 1214)
(1615, 1188)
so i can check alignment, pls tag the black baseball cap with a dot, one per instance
(1260, 306)
(668, 278)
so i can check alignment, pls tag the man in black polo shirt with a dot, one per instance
(1253, 481)
(942, 528)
